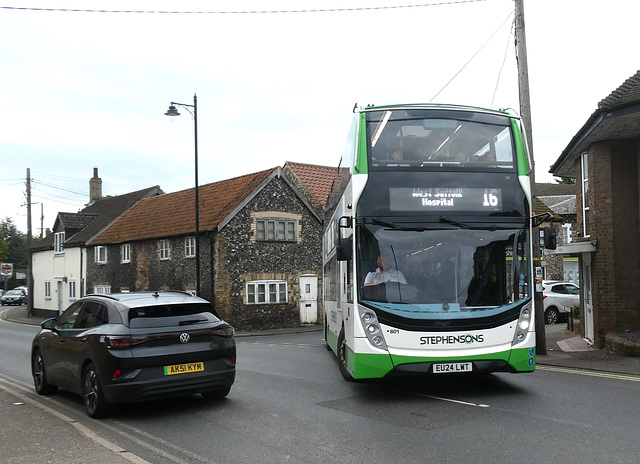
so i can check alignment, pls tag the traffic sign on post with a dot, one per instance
(7, 269)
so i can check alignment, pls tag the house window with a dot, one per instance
(164, 250)
(280, 230)
(125, 253)
(47, 290)
(566, 233)
(101, 254)
(58, 242)
(585, 195)
(102, 289)
(72, 289)
(190, 247)
(267, 292)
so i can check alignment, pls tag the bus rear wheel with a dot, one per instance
(342, 357)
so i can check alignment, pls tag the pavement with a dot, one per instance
(70, 442)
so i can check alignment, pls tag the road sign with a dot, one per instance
(7, 269)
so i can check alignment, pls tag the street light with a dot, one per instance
(172, 111)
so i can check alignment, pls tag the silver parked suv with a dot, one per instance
(559, 298)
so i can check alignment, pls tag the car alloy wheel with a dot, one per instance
(551, 316)
(94, 401)
(40, 377)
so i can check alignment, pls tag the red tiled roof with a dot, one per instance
(174, 213)
(317, 179)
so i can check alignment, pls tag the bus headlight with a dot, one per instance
(524, 322)
(368, 317)
(372, 328)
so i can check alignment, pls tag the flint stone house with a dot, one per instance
(559, 200)
(59, 262)
(260, 238)
(604, 157)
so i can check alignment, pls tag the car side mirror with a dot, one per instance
(49, 323)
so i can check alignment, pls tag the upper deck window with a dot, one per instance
(437, 138)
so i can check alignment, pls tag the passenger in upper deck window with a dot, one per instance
(397, 154)
(459, 157)
(489, 157)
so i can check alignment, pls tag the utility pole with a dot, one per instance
(29, 240)
(525, 113)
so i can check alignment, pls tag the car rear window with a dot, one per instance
(176, 314)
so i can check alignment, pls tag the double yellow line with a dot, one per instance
(605, 375)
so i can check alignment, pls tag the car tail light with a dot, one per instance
(123, 342)
(224, 331)
(117, 374)
(544, 296)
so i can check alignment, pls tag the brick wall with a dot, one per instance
(146, 271)
(614, 213)
(235, 257)
(242, 259)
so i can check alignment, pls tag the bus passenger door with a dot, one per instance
(346, 297)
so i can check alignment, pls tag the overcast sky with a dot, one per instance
(90, 89)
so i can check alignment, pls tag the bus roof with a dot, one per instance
(446, 107)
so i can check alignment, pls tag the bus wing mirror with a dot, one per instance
(344, 250)
(345, 222)
(550, 238)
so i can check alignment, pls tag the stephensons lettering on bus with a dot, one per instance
(451, 339)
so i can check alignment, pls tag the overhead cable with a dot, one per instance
(318, 10)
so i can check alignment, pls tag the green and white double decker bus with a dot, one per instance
(427, 250)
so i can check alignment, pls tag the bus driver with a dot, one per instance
(384, 273)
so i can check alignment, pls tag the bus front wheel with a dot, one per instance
(342, 357)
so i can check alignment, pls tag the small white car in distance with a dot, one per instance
(559, 298)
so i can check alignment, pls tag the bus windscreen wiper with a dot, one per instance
(453, 223)
(377, 222)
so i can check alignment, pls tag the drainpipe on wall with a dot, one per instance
(81, 276)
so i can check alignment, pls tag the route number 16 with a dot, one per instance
(490, 200)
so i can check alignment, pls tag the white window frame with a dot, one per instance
(584, 165)
(566, 233)
(276, 230)
(72, 290)
(164, 250)
(190, 247)
(102, 289)
(58, 242)
(125, 253)
(100, 254)
(260, 292)
(47, 289)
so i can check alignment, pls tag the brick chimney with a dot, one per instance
(95, 187)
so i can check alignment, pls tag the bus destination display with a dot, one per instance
(445, 199)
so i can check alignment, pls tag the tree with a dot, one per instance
(4, 249)
(16, 244)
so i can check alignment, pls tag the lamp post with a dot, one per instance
(172, 111)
